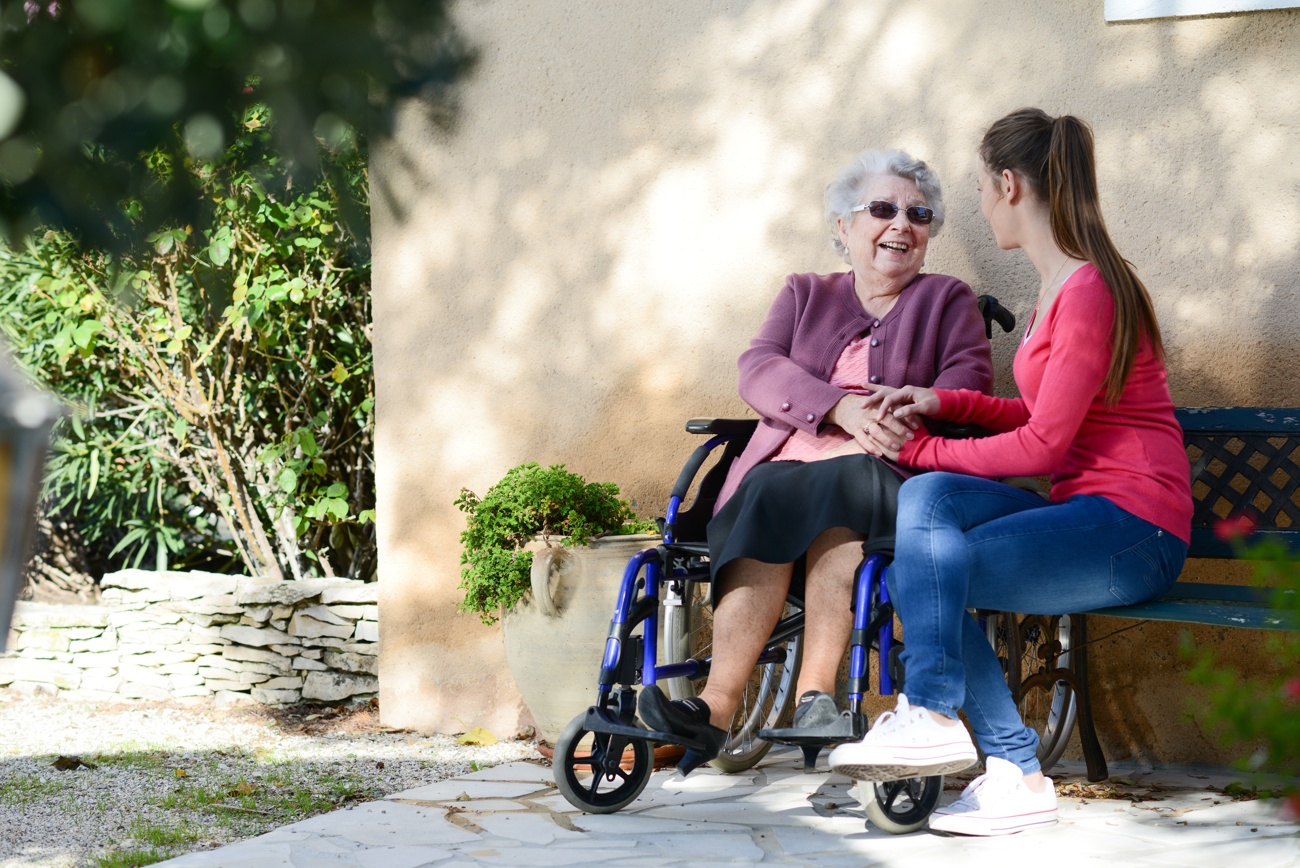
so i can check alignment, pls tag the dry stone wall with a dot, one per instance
(177, 635)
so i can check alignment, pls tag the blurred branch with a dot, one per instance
(88, 87)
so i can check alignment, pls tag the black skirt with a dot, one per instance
(782, 506)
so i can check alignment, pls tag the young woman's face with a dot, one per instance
(992, 205)
(1004, 218)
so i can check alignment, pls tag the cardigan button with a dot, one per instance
(810, 417)
(876, 324)
(875, 342)
(875, 378)
(785, 407)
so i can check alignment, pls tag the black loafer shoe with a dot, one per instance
(688, 718)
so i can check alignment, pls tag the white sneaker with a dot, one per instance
(997, 803)
(905, 743)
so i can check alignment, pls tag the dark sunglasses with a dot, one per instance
(917, 214)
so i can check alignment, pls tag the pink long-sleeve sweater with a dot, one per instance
(1130, 452)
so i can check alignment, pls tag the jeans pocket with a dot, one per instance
(1146, 569)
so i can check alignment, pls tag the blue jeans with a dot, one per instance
(970, 543)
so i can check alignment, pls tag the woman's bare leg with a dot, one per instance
(751, 597)
(833, 561)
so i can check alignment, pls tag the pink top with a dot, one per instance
(1131, 453)
(849, 373)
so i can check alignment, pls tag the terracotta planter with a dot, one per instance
(555, 638)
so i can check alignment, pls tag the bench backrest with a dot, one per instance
(1245, 461)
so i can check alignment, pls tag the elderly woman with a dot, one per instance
(800, 501)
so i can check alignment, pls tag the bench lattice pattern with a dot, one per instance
(1240, 471)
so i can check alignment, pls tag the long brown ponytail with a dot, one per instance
(1055, 157)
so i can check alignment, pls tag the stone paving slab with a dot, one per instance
(775, 814)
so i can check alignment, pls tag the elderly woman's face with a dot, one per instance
(892, 250)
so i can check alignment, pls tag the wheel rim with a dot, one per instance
(904, 801)
(1048, 706)
(595, 772)
(1048, 709)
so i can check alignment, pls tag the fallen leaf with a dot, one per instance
(180, 773)
(71, 763)
(243, 788)
(379, 765)
(477, 736)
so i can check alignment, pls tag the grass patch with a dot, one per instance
(26, 789)
(131, 858)
(144, 758)
(277, 793)
(160, 842)
(163, 836)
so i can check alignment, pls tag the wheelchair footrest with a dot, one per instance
(605, 720)
(847, 727)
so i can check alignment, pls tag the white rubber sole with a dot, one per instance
(967, 824)
(900, 771)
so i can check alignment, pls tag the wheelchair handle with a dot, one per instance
(995, 313)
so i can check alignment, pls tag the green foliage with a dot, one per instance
(1260, 714)
(25, 789)
(133, 858)
(221, 374)
(89, 88)
(528, 501)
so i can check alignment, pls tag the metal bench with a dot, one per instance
(1245, 462)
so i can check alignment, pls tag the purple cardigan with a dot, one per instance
(933, 336)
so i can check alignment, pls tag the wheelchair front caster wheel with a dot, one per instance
(589, 769)
(900, 807)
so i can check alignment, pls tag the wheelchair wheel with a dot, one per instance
(588, 768)
(900, 807)
(768, 699)
(1030, 647)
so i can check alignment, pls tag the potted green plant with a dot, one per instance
(543, 551)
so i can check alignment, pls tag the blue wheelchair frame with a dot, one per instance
(631, 659)
(628, 660)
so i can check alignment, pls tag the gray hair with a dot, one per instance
(845, 192)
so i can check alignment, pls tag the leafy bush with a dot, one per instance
(528, 501)
(90, 86)
(221, 374)
(1261, 713)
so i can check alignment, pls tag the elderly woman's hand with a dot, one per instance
(876, 435)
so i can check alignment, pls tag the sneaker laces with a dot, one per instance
(985, 784)
(901, 716)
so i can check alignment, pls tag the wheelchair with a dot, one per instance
(660, 634)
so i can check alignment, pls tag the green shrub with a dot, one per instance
(528, 501)
(1260, 714)
(220, 373)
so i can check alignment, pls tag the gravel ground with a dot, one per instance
(158, 780)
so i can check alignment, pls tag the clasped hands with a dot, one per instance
(881, 422)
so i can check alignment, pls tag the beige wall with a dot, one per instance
(572, 273)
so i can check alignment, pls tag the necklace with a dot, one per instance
(1047, 287)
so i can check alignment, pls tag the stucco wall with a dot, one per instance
(571, 274)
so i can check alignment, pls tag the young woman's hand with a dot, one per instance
(875, 435)
(904, 405)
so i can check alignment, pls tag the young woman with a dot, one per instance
(1096, 415)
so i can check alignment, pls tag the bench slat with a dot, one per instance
(1245, 420)
(1218, 605)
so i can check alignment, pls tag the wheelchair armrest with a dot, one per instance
(725, 427)
(957, 431)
